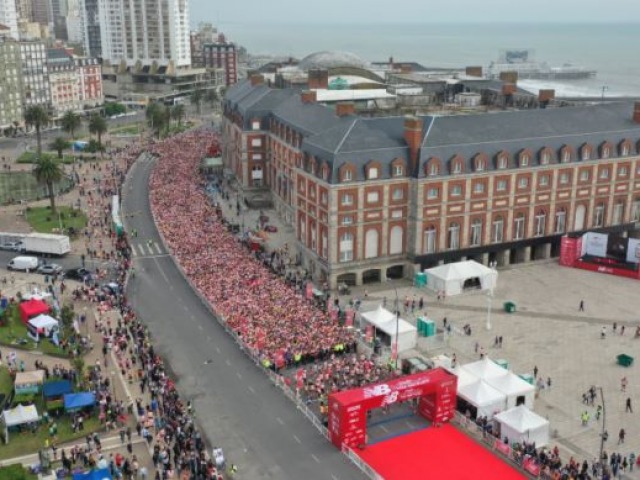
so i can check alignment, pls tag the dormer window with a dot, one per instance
(457, 167)
(502, 162)
(566, 156)
(586, 153)
(524, 160)
(347, 175)
(373, 173)
(544, 159)
(433, 169)
(480, 165)
(398, 170)
(625, 150)
(605, 152)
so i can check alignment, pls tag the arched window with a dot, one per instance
(581, 213)
(453, 239)
(618, 213)
(346, 247)
(545, 157)
(371, 243)
(497, 230)
(396, 241)
(561, 221)
(475, 235)
(518, 226)
(598, 215)
(635, 210)
(541, 223)
(429, 240)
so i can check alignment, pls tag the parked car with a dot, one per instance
(111, 288)
(14, 247)
(79, 274)
(50, 269)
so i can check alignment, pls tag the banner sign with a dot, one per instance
(595, 244)
(633, 250)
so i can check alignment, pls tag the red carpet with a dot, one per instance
(434, 454)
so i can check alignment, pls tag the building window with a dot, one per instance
(564, 178)
(433, 169)
(623, 171)
(604, 173)
(453, 240)
(396, 241)
(625, 150)
(347, 175)
(544, 180)
(373, 173)
(584, 175)
(480, 167)
(371, 243)
(544, 159)
(635, 210)
(502, 162)
(523, 182)
(501, 185)
(497, 230)
(430, 240)
(605, 152)
(373, 197)
(541, 221)
(347, 220)
(346, 247)
(476, 233)
(618, 213)
(324, 198)
(325, 245)
(256, 142)
(398, 170)
(255, 125)
(586, 153)
(432, 193)
(561, 221)
(398, 193)
(457, 167)
(598, 215)
(518, 227)
(524, 160)
(456, 190)
(347, 199)
(478, 187)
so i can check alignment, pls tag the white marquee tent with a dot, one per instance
(464, 376)
(521, 424)
(18, 416)
(517, 390)
(45, 324)
(384, 321)
(456, 278)
(484, 369)
(487, 400)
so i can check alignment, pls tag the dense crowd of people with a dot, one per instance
(273, 320)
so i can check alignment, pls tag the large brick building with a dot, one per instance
(377, 197)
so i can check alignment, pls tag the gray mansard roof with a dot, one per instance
(357, 140)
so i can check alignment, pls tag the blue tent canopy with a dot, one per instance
(99, 474)
(75, 401)
(56, 388)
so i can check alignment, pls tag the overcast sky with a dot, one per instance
(380, 11)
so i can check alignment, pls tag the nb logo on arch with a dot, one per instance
(377, 391)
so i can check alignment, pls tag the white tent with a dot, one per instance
(456, 278)
(487, 400)
(464, 376)
(18, 416)
(384, 321)
(45, 324)
(29, 382)
(484, 369)
(516, 389)
(521, 424)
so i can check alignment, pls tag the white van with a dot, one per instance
(24, 263)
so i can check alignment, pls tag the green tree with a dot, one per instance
(114, 108)
(78, 365)
(196, 99)
(37, 116)
(59, 144)
(71, 122)
(47, 172)
(212, 97)
(97, 126)
(158, 117)
(177, 113)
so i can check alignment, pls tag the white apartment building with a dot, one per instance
(35, 74)
(9, 17)
(145, 31)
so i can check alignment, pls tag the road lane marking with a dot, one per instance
(227, 362)
(158, 248)
(133, 250)
(151, 252)
(279, 420)
(218, 349)
(295, 437)
(251, 389)
(239, 375)
(166, 279)
(315, 458)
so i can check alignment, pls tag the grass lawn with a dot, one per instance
(41, 219)
(16, 472)
(128, 129)
(13, 330)
(26, 442)
(30, 157)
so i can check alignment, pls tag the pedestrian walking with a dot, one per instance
(623, 384)
(621, 435)
(535, 371)
(581, 306)
(628, 406)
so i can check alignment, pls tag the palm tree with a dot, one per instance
(47, 171)
(71, 122)
(196, 99)
(37, 116)
(157, 116)
(59, 144)
(97, 125)
(177, 113)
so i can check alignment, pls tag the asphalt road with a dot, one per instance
(236, 405)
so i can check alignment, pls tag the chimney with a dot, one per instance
(508, 89)
(256, 79)
(391, 62)
(344, 109)
(413, 137)
(308, 96)
(473, 71)
(318, 79)
(546, 95)
(636, 112)
(509, 77)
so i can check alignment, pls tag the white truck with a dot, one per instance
(46, 243)
(27, 264)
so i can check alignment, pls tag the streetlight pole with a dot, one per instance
(397, 312)
(489, 302)
(604, 421)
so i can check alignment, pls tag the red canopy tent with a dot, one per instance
(32, 308)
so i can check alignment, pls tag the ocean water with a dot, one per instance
(611, 49)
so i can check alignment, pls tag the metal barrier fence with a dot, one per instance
(361, 464)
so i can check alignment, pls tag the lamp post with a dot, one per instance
(397, 312)
(489, 302)
(604, 421)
